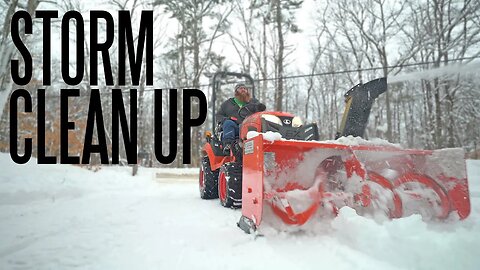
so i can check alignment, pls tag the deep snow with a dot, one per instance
(63, 217)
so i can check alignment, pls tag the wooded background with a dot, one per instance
(349, 42)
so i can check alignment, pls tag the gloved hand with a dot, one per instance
(261, 107)
(234, 119)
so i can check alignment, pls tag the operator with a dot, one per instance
(229, 116)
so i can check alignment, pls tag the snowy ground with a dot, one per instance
(62, 217)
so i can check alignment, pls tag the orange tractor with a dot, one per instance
(281, 171)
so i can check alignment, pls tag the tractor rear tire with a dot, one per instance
(230, 185)
(208, 180)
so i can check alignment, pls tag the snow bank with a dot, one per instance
(65, 217)
(351, 140)
(473, 175)
(268, 136)
(175, 171)
(410, 243)
(348, 140)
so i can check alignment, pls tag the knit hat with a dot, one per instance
(241, 89)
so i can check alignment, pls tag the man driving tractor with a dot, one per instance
(229, 115)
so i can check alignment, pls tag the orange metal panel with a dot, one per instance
(252, 180)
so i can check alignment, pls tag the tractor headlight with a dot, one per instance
(297, 122)
(272, 118)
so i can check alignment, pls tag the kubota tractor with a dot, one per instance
(278, 168)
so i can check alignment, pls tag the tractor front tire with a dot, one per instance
(208, 180)
(230, 185)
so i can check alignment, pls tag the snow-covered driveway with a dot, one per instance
(64, 217)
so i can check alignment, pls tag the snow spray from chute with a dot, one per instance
(445, 71)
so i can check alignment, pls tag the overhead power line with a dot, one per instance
(312, 74)
(344, 71)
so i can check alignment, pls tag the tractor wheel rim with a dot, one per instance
(222, 185)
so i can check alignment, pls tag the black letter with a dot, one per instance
(172, 153)
(125, 32)
(47, 15)
(65, 126)
(15, 32)
(14, 125)
(118, 114)
(65, 47)
(95, 114)
(96, 47)
(42, 158)
(190, 122)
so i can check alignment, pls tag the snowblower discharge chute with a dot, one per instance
(295, 180)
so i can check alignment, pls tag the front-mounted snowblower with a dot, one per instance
(297, 180)
(221, 173)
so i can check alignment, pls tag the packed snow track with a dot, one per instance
(65, 217)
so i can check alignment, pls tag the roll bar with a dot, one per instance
(216, 83)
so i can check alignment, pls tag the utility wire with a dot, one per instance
(346, 71)
(304, 75)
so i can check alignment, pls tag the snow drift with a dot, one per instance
(64, 217)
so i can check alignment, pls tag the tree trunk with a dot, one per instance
(264, 71)
(281, 47)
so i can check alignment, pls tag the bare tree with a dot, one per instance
(7, 49)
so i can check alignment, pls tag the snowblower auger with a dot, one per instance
(294, 182)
